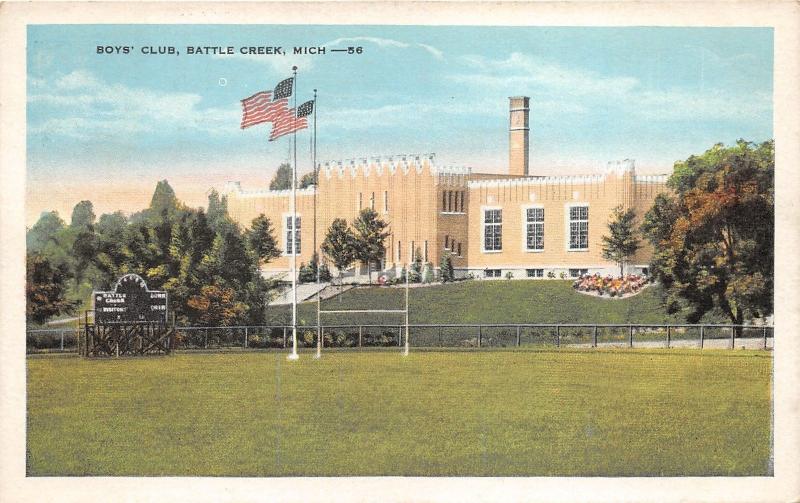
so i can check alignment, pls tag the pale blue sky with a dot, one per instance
(597, 94)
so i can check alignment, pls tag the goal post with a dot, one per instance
(404, 312)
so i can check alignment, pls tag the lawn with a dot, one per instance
(491, 302)
(544, 412)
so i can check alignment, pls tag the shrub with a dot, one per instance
(446, 268)
(428, 273)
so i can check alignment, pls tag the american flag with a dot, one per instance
(260, 108)
(287, 123)
(305, 109)
(284, 88)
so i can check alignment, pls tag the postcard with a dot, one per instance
(420, 252)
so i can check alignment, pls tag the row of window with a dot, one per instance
(372, 201)
(534, 273)
(534, 229)
(451, 245)
(453, 201)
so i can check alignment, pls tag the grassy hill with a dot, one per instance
(490, 302)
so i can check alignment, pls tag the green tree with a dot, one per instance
(713, 237)
(623, 240)
(163, 199)
(371, 234)
(308, 179)
(82, 215)
(339, 245)
(217, 212)
(45, 289)
(446, 268)
(44, 232)
(261, 239)
(282, 179)
(416, 267)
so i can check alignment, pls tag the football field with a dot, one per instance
(480, 413)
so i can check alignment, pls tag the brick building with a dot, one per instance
(491, 224)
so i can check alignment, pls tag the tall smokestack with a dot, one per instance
(518, 135)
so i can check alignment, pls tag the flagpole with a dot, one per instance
(319, 255)
(294, 355)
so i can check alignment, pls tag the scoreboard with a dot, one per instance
(130, 302)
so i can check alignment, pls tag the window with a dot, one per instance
(579, 227)
(534, 229)
(425, 252)
(534, 273)
(444, 201)
(292, 250)
(372, 201)
(493, 230)
(459, 249)
(360, 203)
(492, 273)
(462, 201)
(577, 273)
(447, 242)
(399, 251)
(449, 200)
(412, 251)
(386, 201)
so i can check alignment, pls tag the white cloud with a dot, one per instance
(93, 108)
(78, 79)
(555, 89)
(520, 71)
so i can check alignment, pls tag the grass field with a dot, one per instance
(552, 301)
(559, 412)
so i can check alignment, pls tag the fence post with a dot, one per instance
(399, 336)
(558, 336)
(733, 338)
(630, 336)
(440, 338)
(594, 337)
(702, 335)
(205, 344)
(517, 335)
(359, 336)
(62, 340)
(764, 331)
(669, 334)
(245, 337)
(480, 334)
(284, 337)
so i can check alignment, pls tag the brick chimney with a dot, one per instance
(518, 135)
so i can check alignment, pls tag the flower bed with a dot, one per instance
(611, 286)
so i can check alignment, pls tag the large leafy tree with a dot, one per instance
(340, 245)
(714, 235)
(371, 234)
(173, 247)
(261, 239)
(622, 240)
(45, 289)
(44, 232)
(282, 179)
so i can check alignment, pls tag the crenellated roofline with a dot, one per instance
(390, 164)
